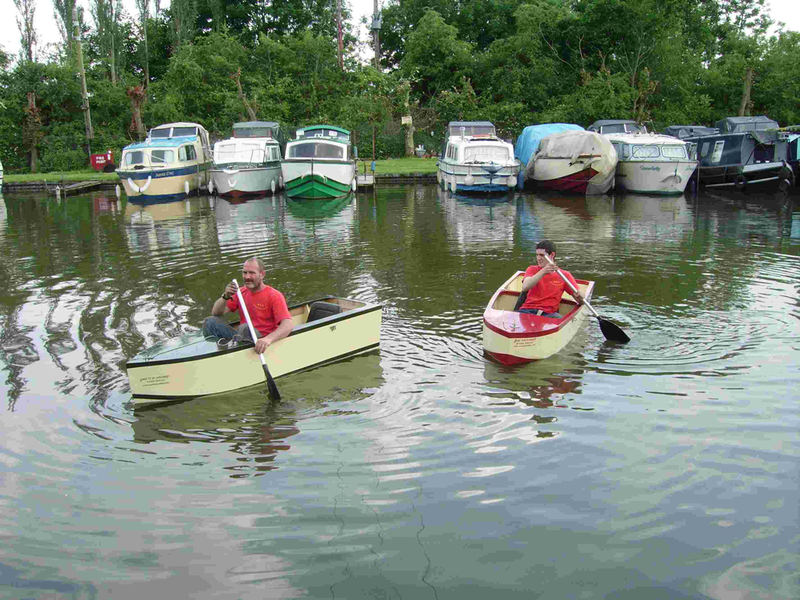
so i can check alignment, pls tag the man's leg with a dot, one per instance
(216, 327)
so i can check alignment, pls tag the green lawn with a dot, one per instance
(55, 176)
(399, 166)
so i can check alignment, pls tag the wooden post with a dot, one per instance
(339, 32)
(87, 115)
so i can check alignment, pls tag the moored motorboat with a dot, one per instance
(475, 160)
(649, 163)
(172, 162)
(188, 366)
(512, 337)
(582, 162)
(249, 163)
(319, 163)
(527, 144)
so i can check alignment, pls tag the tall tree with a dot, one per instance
(143, 6)
(184, 19)
(64, 14)
(27, 32)
(105, 14)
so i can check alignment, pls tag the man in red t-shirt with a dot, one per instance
(265, 305)
(543, 284)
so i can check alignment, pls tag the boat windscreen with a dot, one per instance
(133, 157)
(316, 150)
(252, 132)
(159, 156)
(675, 151)
(486, 154)
(644, 152)
(468, 130)
(239, 153)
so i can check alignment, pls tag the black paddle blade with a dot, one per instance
(612, 332)
(272, 389)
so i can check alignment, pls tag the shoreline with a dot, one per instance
(50, 186)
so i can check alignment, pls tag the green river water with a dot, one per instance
(667, 468)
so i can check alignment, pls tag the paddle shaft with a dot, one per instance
(572, 287)
(271, 387)
(609, 329)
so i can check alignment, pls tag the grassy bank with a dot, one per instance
(56, 176)
(399, 166)
(390, 166)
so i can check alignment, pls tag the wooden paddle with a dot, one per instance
(272, 389)
(609, 329)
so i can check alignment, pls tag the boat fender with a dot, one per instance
(740, 182)
(453, 185)
(272, 186)
(116, 190)
(186, 187)
(133, 186)
(280, 182)
(211, 186)
(469, 179)
(511, 181)
(354, 185)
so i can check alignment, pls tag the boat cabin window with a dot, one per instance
(451, 152)
(676, 151)
(764, 153)
(316, 150)
(275, 153)
(186, 153)
(134, 157)
(252, 132)
(160, 157)
(644, 152)
(486, 154)
(719, 146)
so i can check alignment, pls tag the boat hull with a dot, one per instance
(247, 181)
(574, 161)
(191, 366)
(318, 178)
(162, 184)
(559, 175)
(474, 179)
(511, 337)
(654, 177)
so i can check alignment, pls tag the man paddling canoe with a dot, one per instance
(543, 285)
(266, 306)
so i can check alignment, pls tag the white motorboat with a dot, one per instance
(475, 160)
(249, 163)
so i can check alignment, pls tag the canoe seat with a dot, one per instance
(320, 310)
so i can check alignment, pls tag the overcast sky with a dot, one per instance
(781, 10)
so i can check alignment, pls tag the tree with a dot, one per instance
(27, 11)
(105, 14)
(436, 59)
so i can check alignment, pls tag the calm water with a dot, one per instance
(663, 469)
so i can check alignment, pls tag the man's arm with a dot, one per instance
(284, 328)
(220, 306)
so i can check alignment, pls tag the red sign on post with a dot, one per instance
(100, 161)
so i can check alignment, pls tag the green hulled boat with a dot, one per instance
(319, 163)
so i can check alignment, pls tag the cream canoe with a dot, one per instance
(511, 337)
(188, 366)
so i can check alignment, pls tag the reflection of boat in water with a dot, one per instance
(539, 383)
(484, 221)
(144, 212)
(317, 208)
(511, 337)
(191, 365)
